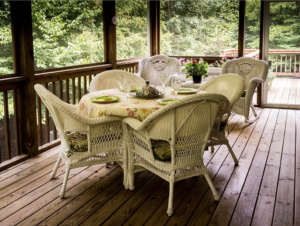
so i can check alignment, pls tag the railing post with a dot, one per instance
(22, 41)
(153, 27)
(109, 32)
(242, 16)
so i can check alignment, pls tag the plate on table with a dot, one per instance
(105, 99)
(187, 90)
(165, 101)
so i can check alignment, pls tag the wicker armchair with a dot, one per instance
(181, 130)
(100, 140)
(150, 67)
(108, 80)
(254, 72)
(232, 87)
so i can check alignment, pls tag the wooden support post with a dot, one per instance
(263, 44)
(109, 32)
(22, 41)
(242, 19)
(153, 27)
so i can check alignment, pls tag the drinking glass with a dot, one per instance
(120, 81)
(176, 84)
(163, 78)
(127, 86)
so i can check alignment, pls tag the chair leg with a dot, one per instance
(63, 189)
(253, 109)
(53, 173)
(236, 161)
(212, 187)
(106, 164)
(212, 148)
(171, 194)
(130, 179)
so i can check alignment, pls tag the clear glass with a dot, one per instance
(127, 85)
(198, 28)
(163, 78)
(131, 29)
(6, 58)
(120, 81)
(284, 54)
(176, 84)
(67, 33)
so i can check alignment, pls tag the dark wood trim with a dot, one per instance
(12, 83)
(109, 32)
(6, 126)
(49, 145)
(264, 40)
(242, 19)
(22, 41)
(154, 27)
(14, 161)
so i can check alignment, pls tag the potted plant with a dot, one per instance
(195, 69)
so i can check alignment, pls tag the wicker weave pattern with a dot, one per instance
(105, 135)
(254, 72)
(149, 71)
(232, 87)
(108, 80)
(186, 125)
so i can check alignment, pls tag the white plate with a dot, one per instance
(165, 101)
(187, 90)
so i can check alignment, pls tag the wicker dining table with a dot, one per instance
(136, 107)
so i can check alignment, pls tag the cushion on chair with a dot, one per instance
(78, 142)
(161, 150)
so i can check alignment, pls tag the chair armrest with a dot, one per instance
(134, 123)
(251, 86)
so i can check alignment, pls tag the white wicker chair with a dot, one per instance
(232, 87)
(185, 126)
(104, 136)
(150, 67)
(108, 80)
(254, 72)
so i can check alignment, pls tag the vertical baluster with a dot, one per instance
(290, 63)
(6, 126)
(67, 91)
(285, 60)
(90, 79)
(16, 122)
(272, 63)
(40, 127)
(73, 90)
(53, 125)
(84, 85)
(280, 63)
(295, 63)
(79, 88)
(61, 89)
(276, 62)
(47, 121)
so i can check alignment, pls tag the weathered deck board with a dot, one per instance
(284, 91)
(262, 190)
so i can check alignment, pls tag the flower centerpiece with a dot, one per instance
(195, 69)
(221, 62)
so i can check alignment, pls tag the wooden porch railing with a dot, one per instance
(282, 62)
(69, 84)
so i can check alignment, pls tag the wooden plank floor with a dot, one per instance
(264, 189)
(284, 91)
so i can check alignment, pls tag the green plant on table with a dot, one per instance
(195, 68)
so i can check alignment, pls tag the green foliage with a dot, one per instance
(195, 68)
(198, 27)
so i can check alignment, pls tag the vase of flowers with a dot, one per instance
(195, 69)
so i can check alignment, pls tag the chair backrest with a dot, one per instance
(108, 80)
(150, 67)
(230, 85)
(186, 123)
(248, 68)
